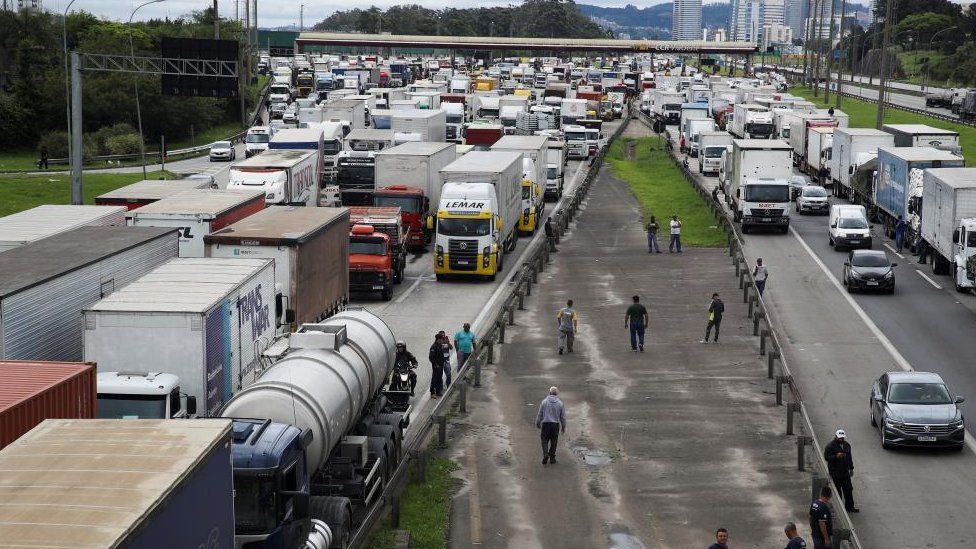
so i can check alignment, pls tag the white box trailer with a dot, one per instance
(949, 220)
(532, 147)
(571, 110)
(759, 159)
(501, 169)
(48, 220)
(201, 319)
(415, 164)
(148, 191)
(197, 213)
(922, 135)
(429, 125)
(853, 147)
(350, 110)
(287, 177)
(45, 285)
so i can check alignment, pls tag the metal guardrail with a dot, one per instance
(493, 327)
(777, 367)
(177, 154)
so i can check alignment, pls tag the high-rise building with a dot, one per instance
(750, 17)
(686, 20)
(796, 15)
(20, 5)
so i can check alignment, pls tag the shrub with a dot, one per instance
(122, 144)
(56, 144)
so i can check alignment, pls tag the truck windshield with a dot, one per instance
(714, 152)
(464, 227)
(367, 246)
(552, 173)
(455, 119)
(132, 406)
(257, 138)
(355, 177)
(254, 504)
(526, 193)
(408, 204)
(331, 147)
(766, 193)
(575, 136)
(760, 128)
(674, 108)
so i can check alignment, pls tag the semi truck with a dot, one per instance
(428, 125)
(577, 146)
(948, 223)
(898, 189)
(32, 391)
(758, 191)
(712, 145)
(45, 285)
(315, 437)
(533, 149)
(133, 484)
(751, 121)
(800, 132)
(148, 191)
(555, 169)
(853, 147)
(49, 219)
(478, 214)
(197, 213)
(310, 249)
(355, 178)
(383, 220)
(287, 177)
(201, 319)
(414, 165)
(922, 135)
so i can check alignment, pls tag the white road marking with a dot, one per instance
(883, 339)
(894, 251)
(929, 280)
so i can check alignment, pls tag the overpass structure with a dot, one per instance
(484, 43)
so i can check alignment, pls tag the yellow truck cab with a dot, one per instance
(532, 204)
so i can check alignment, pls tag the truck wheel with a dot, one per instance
(336, 512)
(387, 293)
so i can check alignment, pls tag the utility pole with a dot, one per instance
(883, 76)
(301, 17)
(840, 66)
(818, 31)
(216, 22)
(830, 54)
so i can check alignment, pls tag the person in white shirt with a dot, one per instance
(675, 244)
(760, 274)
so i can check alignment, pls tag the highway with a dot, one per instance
(838, 344)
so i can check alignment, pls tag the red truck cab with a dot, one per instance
(370, 261)
(414, 207)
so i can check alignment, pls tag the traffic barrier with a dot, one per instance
(777, 367)
(537, 256)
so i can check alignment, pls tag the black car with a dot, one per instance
(916, 409)
(869, 270)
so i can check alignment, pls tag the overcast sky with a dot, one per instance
(275, 13)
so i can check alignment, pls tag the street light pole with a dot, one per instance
(67, 76)
(928, 63)
(132, 53)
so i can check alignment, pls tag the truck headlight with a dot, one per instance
(439, 249)
(486, 256)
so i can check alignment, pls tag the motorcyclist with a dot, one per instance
(405, 360)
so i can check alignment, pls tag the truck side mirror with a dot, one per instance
(289, 316)
(191, 406)
(430, 223)
(955, 236)
(498, 223)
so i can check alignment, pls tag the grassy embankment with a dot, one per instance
(19, 192)
(662, 191)
(424, 509)
(863, 115)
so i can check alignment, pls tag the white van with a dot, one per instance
(849, 227)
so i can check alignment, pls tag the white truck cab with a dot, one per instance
(142, 395)
(256, 140)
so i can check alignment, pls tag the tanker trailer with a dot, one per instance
(314, 437)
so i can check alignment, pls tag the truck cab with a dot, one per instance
(256, 140)
(468, 238)
(533, 203)
(414, 208)
(576, 141)
(142, 395)
(763, 202)
(370, 261)
(355, 177)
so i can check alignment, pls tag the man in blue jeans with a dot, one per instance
(464, 342)
(636, 319)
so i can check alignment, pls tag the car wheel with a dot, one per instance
(884, 440)
(874, 422)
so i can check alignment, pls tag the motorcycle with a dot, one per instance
(398, 391)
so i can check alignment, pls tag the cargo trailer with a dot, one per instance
(148, 191)
(922, 135)
(898, 189)
(32, 391)
(852, 148)
(428, 125)
(47, 220)
(948, 223)
(45, 285)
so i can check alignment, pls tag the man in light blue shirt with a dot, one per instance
(464, 342)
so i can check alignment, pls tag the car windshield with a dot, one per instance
(254, 504)
(869, 260)
(222, 145)
(918, 393)
(464, 227)
(852, 223)
(257, 138)
(815, 192)
(368, 246)
(131, 406)
(766, 193)
(406, 203)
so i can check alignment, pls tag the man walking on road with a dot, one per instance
(436, 357)
(715, 310)
(675, 244)
(550, 235)
(899, 234)
(567, 323)
(821, 523)
(721, 539)
(652, 228)
(464, 342)
(551, 419)
(760, 274)
(796, 542)
(840, 465)
(636, 320)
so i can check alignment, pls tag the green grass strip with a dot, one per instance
(424, 509)
(662, 191)
(20, 192)
(863, 114)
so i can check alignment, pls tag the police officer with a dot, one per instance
(821, 523)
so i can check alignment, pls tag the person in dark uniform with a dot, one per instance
(840, 464)
(821, 523)
(796, 542)
(721, 539)
(550, 234)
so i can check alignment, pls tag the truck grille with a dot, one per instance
(921, 429)
(365, 277)
(767, 212)
(463, 254)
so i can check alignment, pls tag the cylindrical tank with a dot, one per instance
(322, 384)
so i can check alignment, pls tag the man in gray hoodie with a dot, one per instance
(551, 419)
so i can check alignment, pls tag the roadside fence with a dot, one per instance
(809, 450)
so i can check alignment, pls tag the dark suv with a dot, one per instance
(869, 270)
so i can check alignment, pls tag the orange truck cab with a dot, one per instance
(414, 208)
(370, 261)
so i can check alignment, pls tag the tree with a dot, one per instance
(921, 26)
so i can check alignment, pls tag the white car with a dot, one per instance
(812, 199)
(222, 150)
